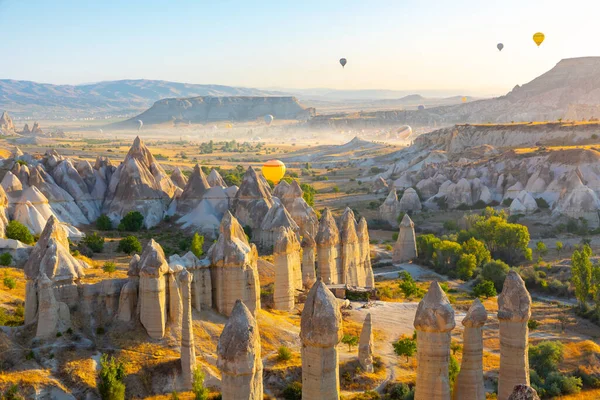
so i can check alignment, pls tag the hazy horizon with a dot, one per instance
(440, 47)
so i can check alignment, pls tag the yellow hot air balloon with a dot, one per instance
(228, 126)
(464, 99)
(538, 38)
(273, 170)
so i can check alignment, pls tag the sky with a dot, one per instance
(438, 45)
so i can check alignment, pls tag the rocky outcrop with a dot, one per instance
(239, 356)
(434, 321)
(3, 212)
(329, 249)
(388, 211)
(6, 124)
(277, 217)
(523, 392)
(215, 179)
(405, 248)
(252, 201)
(188, 351)
(320, 333)
(514, 310)
(364, 245)
(410, 201)
(352, 270)
(288, 274)
(291, 195)
(234, 273)
(205, 217)
(138, 184)
(152, 292)
(309, 249)
(365, 345)
(178, 178)
(193, 191)
(469, 384)
(201, 284)
(175, 298)
(379, 186)
(53, 316)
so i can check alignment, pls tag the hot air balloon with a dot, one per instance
(343, 62)
(500, 46)
(538, 38)
(140, 124)
(464, 99)
(228, 126)
(268, 119)
(273, 170)
(421, 108)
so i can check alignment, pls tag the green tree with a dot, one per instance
(478, 249)
(581, 271)
(111, 384)
(94, 241)
(405, 347)
(350, 340)
(495, 271)
(453, 369)
(200, 392)
(426, 247)
(5, 259)
(109, 267)
(131, 222)
(559, 246)
(196, 246)
(485, 289)
(407, 285)
(465, 266)
(504, 240)
(541, 249)
(103, 223)
(293, 391)
(17, 231)
(446, 255)
(9, 283)
(129, 244)
(545, 357)
(308, 194)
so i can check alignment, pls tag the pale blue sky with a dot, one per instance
(389, 44)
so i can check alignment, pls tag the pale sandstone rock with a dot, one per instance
(288, 274)
(523, 392)
(252, 201)
(201, 284)
(328, 249)
(152, 290)
(193, 191)
(514, 310)
(469, 383)
(128, 301)
(320, 333)
(178, 178)
(365, 345)
(410, 201)
(53, 315)
(239, 356)
(379, 186)
(433, 321)
(188, 351)
(215, 179)
(275, 218)
(309, 249)
(11, 183)
(352, 271)
(389, 211)
(175, 299)
(3, 212)
(234, 273)
(405, 248)
(364, 244)
(303, 214)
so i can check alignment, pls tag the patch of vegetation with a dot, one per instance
(109, 267)
(293, 391)
(131, 222)
(103, 223)
(197, 244)
(350, 341)
(94, 242)
(546, 379)
(129, 245)
(17, 231)
(200, 392)
(6, 259)
(541, 203)
(112, 372)
(485, 289)
(9, 282)
(406, 346)
(284, 353)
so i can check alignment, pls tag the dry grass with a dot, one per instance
(18, 293)
(34, 378)
(78, 371)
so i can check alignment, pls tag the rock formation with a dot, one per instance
(206, 215)
(320, 333)
(36, 130)
(26, 130)
(352, 270)
(469, 384)
(379, 186)
(328, 249)
(138, 184)
(309, 249)
(6, 124)
(514, 310)
(389, 211)
(188, 351)
(152, 292)
(215, 179)
(239, 356)
(303, 214)
(410, 201)
(288, 274)
(193, 191)
(201, 284)
(365, 345)
(175, 298)
(3, 212)
(405, 248)
(252, 201)
(433, 321)
(234, 273)
(523, 392)
(364, 244)
(178, 178)
(275, 218)
(53, 316)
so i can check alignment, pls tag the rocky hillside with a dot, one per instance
(227, 108)
(112, 97)
(569, 90)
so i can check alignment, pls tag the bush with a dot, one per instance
(451, 225)
(112, 372)
(130, 244)
(545, 357)
(131, 222)
(485, 289)
(405, 346)
(465, 266)
(196, 246)
(200, 392)
(495, 271)
(5, 259)
(18, 231)
(293, 391)
(400, 391)
(103, 223)
(532, 324)
(453, 369)
(541, 203)
(94, 242)
(350, 340)
(109, 267)
(9, 283)
(284, 353)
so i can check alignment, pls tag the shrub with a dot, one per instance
(284, 353)
(196, 246)
(129, 244)
(495, 271)
(400, 391)
(112, 372)
(541, 203)
(485, 289)
(9, 283)
(408, 286)
(532, 324)
(395, 236)
(109, 267)
(5, 259)
(293, 391)
(545, 357)
(451, 225)
(465, 266)
(103, 223)
(453, 369)
(350, 340)
(131, 222)
(405, 346)
(94, 242)
(200, 392)
(18, 231)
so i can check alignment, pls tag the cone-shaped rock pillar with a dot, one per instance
(188, 352)
(514, 310)
(320, 332)
(469, 384)
(433, 321)
(328, 249)
(309, 248)
(152, 291)
(365, 345)
(364, 243)
(405, 248)
(239, 357)
(288, 275)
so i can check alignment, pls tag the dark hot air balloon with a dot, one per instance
(343, 62)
